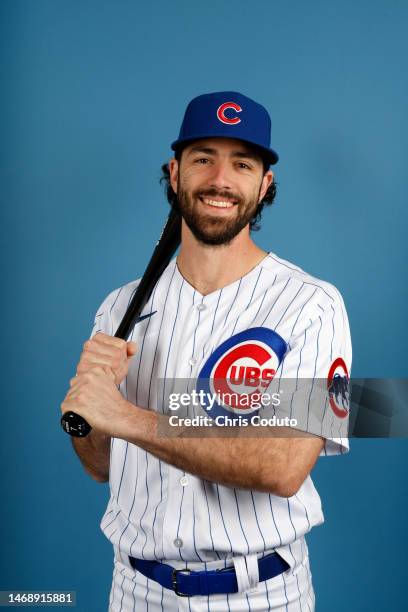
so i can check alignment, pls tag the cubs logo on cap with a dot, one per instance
(338, 388)
(225, 107)
(241, 368)
(227, 114)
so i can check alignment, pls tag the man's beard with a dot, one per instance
(209, 229)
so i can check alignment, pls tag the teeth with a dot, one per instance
(219, 204)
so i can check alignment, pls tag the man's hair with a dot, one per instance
(254, 222)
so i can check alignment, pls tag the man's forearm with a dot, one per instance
(94, 454)
(258, 463)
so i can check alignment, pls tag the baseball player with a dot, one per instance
(214, 522)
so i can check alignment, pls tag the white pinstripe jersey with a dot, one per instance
(157, 511)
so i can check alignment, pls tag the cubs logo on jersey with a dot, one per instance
(338, 388)
(228, 120)
(241, 369)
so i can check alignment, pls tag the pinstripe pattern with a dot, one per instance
(151, 514)
(292, 591)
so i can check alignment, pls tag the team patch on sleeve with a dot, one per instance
(338, 388)
(241, 369)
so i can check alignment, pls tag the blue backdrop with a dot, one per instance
(93, 93)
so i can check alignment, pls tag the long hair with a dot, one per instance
(254, 224)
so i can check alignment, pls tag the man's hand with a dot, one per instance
(109, 353)
(95, 396)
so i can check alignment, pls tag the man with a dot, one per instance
(222, 310)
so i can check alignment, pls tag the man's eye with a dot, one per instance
(202, 160)
(243, 165)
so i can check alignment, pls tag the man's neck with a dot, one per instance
(209, 268)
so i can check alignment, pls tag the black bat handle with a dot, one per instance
(75, 425)
(71, 422)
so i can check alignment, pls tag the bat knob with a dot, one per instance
(75, 425)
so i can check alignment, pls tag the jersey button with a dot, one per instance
(178, 542)
(184, 481)
(201, 307)
(192, 361)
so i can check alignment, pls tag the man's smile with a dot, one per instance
(215, 202)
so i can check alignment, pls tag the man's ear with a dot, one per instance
(266, 182)
(173, 169)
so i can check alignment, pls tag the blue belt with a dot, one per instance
(186, 583)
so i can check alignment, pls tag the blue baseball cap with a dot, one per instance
(227, 114)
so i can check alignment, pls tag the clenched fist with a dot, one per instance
(109, 353)
(95, 397)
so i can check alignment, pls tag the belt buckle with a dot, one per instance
(174, 580)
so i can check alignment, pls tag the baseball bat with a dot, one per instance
(71, 422)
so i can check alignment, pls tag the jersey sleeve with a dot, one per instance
(314, 373)
(110, 312)
(103, 321)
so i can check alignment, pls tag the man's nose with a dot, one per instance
(219, 176)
